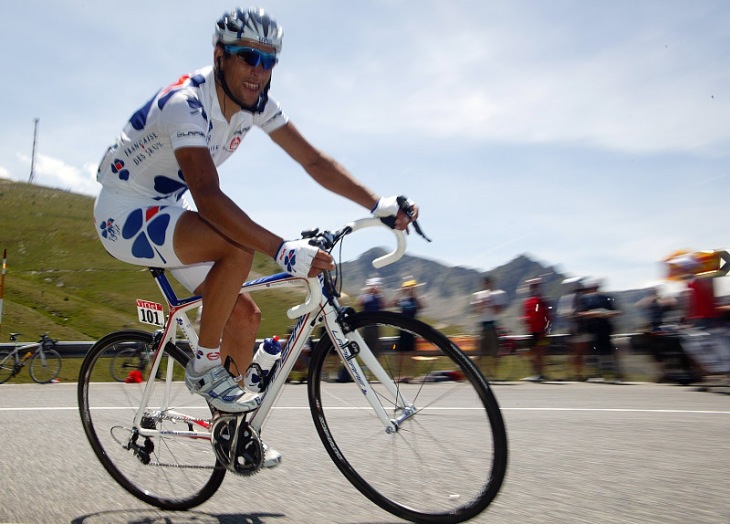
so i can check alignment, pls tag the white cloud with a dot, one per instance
(54, 172)
(646, 85)
(4, 173)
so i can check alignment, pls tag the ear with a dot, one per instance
(218, 56)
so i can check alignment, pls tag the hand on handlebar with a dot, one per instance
(397, 212)
(300, 258)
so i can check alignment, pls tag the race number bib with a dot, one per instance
(150, 313)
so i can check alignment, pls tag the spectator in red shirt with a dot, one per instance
(702, 310)
(537, 319)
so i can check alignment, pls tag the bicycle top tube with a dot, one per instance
(325, 240)
(166, 288)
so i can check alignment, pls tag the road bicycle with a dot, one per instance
(424, 449)
(45, 361)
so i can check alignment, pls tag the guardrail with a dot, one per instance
(558, 344)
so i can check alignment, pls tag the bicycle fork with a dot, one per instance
(352, 345)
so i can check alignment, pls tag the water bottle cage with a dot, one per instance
(264, 376)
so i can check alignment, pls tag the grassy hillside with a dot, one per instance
(60, 279)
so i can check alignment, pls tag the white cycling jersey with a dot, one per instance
(184, 114)
(143, 186)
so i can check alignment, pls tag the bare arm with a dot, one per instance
(216, 208)
(322, 168)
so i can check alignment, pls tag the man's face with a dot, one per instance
(245, 81)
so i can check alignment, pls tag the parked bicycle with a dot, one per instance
(45, 361)
(130, 363)
(425, 449)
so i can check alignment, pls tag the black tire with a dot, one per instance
(181, 472)
(7, 366)
(125, 362)
(443, 465)
(44, 370)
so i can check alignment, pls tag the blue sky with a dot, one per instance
(588, 135)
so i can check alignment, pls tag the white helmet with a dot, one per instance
(252, 24)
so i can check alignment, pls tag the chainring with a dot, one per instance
(237, 446)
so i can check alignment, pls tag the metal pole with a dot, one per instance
(32, 158)
(2, 286)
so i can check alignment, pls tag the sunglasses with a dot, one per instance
(252, 56)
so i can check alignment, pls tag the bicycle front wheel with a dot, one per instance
(174, 468)
(7, 366)
(447, 460)
(46, 367)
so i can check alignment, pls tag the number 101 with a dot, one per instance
(149, 316)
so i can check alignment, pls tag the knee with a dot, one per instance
(246, 313)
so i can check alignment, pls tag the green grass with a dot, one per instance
(60, 280)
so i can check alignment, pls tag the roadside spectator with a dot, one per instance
(702, 309)
(372, 300)
(537, 318)
(407, 300)
(663, 345)
(487, 304)
(578, 337)
(598, 310)
(655, 308)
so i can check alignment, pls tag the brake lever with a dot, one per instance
(408, 210)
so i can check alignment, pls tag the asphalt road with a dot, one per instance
(580, 453)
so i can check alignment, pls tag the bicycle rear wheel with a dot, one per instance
(447, 462)
(7, 366)
(167, 470)
(46, 368)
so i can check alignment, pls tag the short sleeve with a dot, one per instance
(185, 120)
(272, 118)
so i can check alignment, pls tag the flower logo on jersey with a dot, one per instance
(167, 186)
(197, 107)
(118, 169)
(109, 229)
(290, 260)
(150, 228)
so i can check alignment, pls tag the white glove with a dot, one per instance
(386, 207)
(295, 257)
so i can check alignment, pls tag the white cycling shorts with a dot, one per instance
(139, 230)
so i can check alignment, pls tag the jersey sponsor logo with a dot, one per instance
(148, 228)
(109, 230)
(118, 169)
(143, 148)
(167, 186)
(235, 142)
(183, 134)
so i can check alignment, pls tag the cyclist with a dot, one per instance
(173, 144)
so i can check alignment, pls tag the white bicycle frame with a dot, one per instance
(317, 308)
(17, 352)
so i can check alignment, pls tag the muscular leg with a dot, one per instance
(227, 315)
(239, 333)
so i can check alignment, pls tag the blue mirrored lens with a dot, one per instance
(253, 57)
